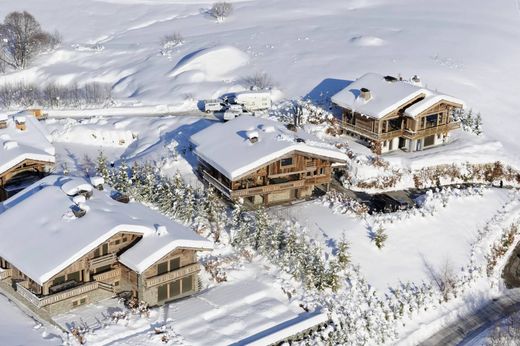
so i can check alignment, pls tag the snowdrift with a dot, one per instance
(210, 64)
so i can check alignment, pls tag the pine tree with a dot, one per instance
(468, 120)
(121, 180)
(214, 212)
(380, 237)
(188, 210)
(261, 231)
(342, 254)
(102, 168)
(478, 125)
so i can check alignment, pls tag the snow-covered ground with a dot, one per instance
(309, 48)
(243, 310)
(17, 328)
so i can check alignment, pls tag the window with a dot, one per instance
(124, 239)
(175, 263)
(441, 118)
(431, 120)
(187, 284)
(175, 288)
(162, 268)
(103, 269)
(286, 162)
(117, 242)
(76, 276)
(101, 251)
(79, 302)
(430, 140)
(58, 280)
(116, 283)
(162, 292)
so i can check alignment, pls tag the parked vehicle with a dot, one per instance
(252, 100)
(217, 105)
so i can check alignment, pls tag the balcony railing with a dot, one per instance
(102, 261)
(216, 183)
(408, 133)
(6, 273)
(108, 275)
(173, 275)
(50, 299)
(267, 188)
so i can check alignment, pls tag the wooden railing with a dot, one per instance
(218, 184)
(46, 300)
(173, 275)
(403, 132)
(6, 273)
(108, 275)
(267, 188)
(102, 261)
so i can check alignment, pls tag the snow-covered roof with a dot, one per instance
(228, 148)
(45, 237)
(387, 95)
(32, 143)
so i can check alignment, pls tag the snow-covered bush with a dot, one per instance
(258, 81)
(221, 10)
(171, 41)
(22, 39)
(380, 237)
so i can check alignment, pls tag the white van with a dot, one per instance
(217, 105)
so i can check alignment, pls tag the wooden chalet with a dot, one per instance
(26, 153)
(107, 251)
(391, 114)
(264, 162)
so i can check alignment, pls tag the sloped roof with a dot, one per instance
(41, 236)
(387, 96)
(226, 146)
(16, 146)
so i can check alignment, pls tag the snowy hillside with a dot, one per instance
(464, 48)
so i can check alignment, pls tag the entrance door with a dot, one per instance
(402, 143)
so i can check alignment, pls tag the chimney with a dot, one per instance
(20, 123)
(80, 209)
(252, 136)
(97, 182)
(3, 121)
(365, 94)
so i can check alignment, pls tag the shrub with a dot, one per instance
(221, 10)
(258, 81)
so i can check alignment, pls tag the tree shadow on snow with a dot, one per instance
(320, 95)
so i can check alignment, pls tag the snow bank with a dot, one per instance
(211, 64)
(367, 41)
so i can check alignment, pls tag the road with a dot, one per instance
(468, 327)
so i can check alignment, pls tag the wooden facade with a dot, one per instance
(25, 171)
(293, 176)
(396, 130)
(99, 275)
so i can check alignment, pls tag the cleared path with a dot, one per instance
(468, 327)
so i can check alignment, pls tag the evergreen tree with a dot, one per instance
(102, 168)
(188, 211)
(380, 237)
(214, 212)
(343, 257)
(261, 231)
(478, 125)
(121, 181)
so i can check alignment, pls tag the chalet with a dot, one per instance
(263, 161)
(390, 114)
(26, 153)
(79, 245)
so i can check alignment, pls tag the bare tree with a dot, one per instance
(258, 81)
(221, 10)
(22, 38)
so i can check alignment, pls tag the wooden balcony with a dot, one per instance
(109, 275)
(407, 133)
(102, 261)
(50, 299)
(6, 273)
(173, 275)
(267, 189)
(217, 184)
